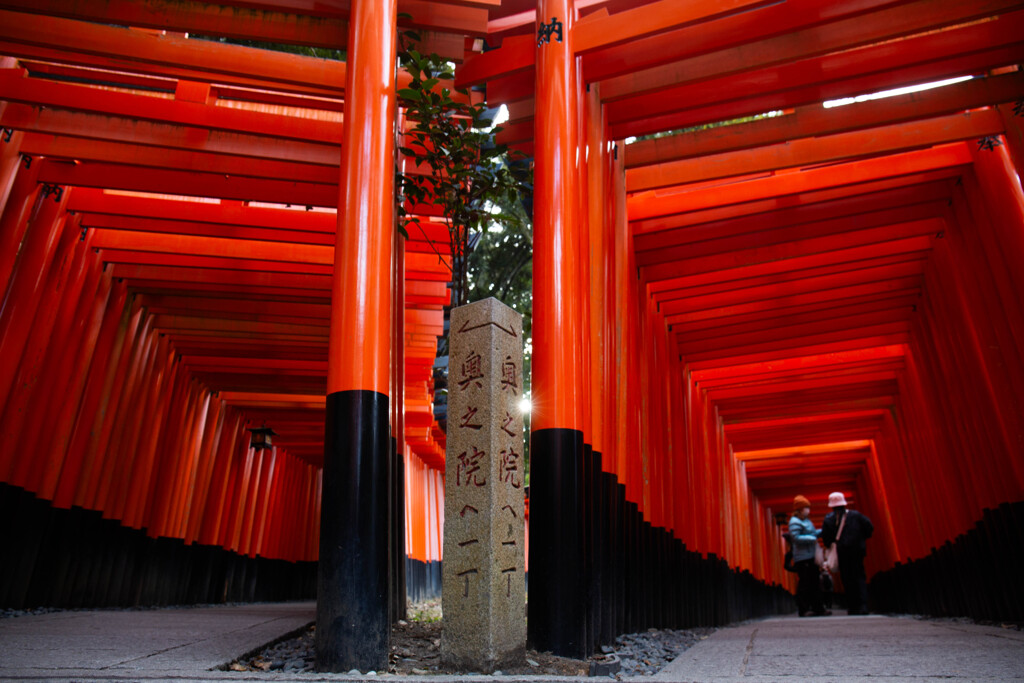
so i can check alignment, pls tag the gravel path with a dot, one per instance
(415, 650)
(644, 654)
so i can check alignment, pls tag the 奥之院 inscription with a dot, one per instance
(483, 590)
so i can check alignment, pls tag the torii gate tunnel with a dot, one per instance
(750, 282)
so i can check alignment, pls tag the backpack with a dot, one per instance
(787, 561)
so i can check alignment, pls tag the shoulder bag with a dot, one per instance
(832, 554)
(787, 560)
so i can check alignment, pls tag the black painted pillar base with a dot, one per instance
(353, 628)
(588, 518)
(621, 536)
(398, 558)
(557, 603)
(599, 534)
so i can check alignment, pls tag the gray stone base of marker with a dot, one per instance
(483, 582)
(609, 665)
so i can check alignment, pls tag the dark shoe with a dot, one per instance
(822, 613)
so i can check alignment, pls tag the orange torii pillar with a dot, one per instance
(595, 253)
(397, 454)
(18, 191)
(353, 628)
(557, 607)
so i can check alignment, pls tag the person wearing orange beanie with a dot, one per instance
(804, 538)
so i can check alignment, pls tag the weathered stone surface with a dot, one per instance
(483, 590)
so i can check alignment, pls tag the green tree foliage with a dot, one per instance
(501, 263)
(472, 179)
(478, 184)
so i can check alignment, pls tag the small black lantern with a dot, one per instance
(781, 518)
(261, 437)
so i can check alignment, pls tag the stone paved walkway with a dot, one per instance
(115, 644)
(861, 648)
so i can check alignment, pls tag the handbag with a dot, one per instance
(787, 559)
(832, 554)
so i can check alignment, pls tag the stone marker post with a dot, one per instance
(484, 589)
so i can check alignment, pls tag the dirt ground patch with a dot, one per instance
(415, 650)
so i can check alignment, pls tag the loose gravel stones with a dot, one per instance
(414, 650)
(294, 655)
(644, 654)
(8, 613)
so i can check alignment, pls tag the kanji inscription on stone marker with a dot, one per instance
(509, 468)
(509, 372)
(483, 588)
(467, 472)
(507, 424)
(471, 376)
(468, 419)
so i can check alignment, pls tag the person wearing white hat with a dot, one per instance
(849, 531)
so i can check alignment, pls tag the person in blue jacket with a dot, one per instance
(804, 538)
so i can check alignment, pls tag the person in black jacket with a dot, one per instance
(856, 529)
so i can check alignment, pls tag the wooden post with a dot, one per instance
(353, 624)
(558, 596)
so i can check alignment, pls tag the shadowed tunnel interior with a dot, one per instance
(772, 282)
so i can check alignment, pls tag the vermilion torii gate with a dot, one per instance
(767, 297)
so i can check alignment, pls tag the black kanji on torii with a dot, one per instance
(545, 31)
(989, 142)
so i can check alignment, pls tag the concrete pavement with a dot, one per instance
(154, 644)
(190, 644)
(845, 648)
